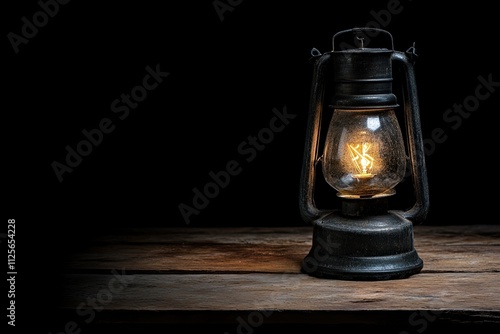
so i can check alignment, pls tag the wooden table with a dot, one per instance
(248, 280)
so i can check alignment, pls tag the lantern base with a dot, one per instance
(378, 247)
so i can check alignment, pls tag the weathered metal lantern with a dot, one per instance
(364, 156)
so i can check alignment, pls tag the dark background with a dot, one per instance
(226, 77)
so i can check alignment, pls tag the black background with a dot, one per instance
(226, 77)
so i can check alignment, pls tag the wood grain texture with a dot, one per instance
(190, 275)
(290, 292)
(270, 250)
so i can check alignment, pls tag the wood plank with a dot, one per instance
(269, 250)
(277, 235)
(213, 276)
(459, 292)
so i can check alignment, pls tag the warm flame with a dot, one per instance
(361, 159)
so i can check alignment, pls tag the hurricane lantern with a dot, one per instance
(363, 157)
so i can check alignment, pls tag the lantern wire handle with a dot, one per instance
(358, 31)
